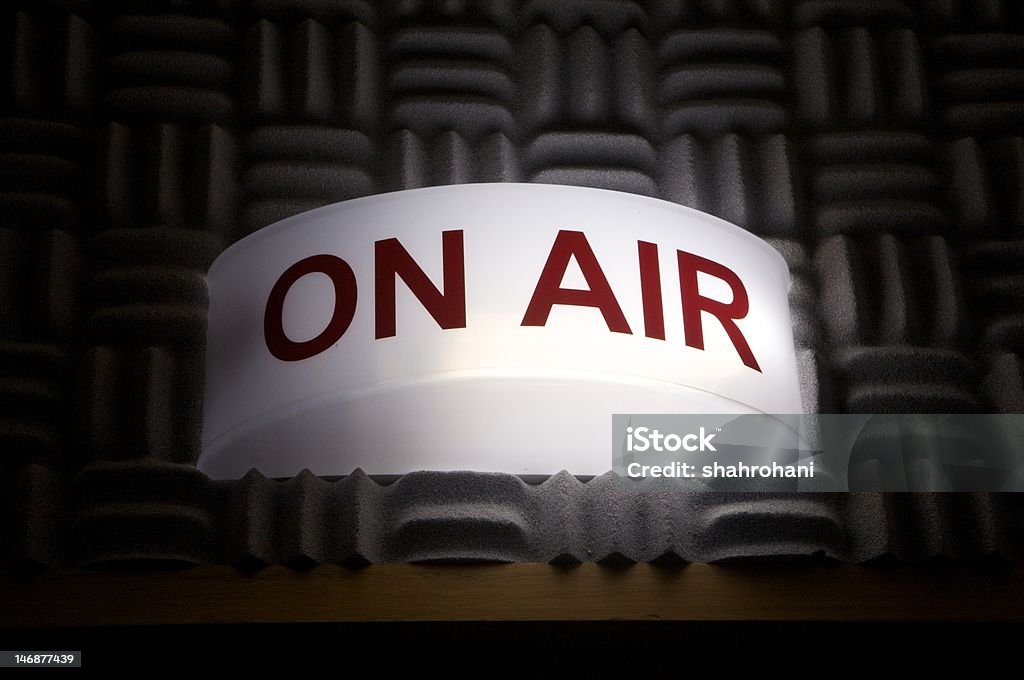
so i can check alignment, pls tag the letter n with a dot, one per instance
(391, 259)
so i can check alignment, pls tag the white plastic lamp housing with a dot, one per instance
(492, 327)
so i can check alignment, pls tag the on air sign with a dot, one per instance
(484, 327)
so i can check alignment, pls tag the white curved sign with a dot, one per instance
(491, 327)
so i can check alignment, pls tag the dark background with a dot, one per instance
(877, 144)
(541, 650)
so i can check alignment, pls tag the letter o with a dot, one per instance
(344, 280)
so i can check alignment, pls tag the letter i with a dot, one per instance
(650, 290)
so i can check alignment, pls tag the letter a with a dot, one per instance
(569, 244)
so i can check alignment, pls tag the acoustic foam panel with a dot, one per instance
(877, 145)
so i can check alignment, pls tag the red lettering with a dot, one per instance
(391, 259)
(569, 244)
(650, 290)
(727, 313)
(344, 280)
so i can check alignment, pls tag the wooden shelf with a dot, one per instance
(514, 592)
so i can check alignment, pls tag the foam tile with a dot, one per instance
(35, 519)
(324, 10)
(478, 517)
(42, 173)
(714, 13)
(921, 527)
(40, 278)
(454, 77)
(411, 161)
(890, 290)
(987, 15)
(986, 178)
(722, 80)
(52, 65)
(979, 80)
(876, 144)
(291, 168)
(312, 71)
(149, 287)
(142, 513)
(607, 17)
(1004, 383)
(854, 12)
(140, 404)
(864, 179)
(587, 79)
(33, 381)
(749, 181)
(995, 291)
(855, 76)
(172, 67)
(167, 175)
(906, 379)
(601, 160)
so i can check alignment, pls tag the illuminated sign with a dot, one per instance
(484, 327)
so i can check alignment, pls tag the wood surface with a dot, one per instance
(513, 592)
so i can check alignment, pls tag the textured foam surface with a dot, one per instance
(879, 146)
